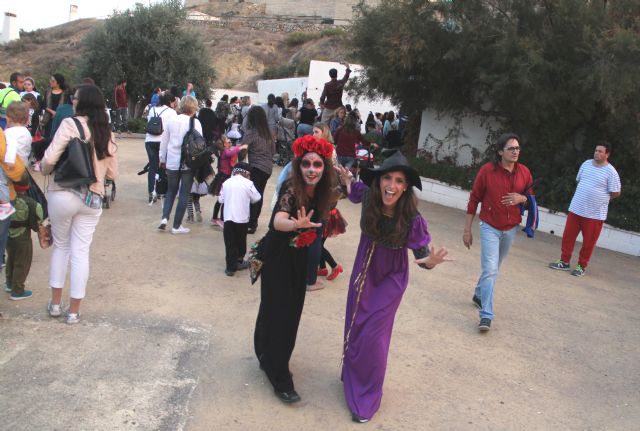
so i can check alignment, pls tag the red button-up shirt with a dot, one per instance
(492, 183)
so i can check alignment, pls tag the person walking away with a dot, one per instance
(226, 161)
(9, 95)
(75, 212)
(331, 97)
(346, 138)
(27, 218)
(391, 225)
(501, 187)
(274, 114)
(306, 117)
(122, 106)
(179, 176)
(207, 119)
(238, 193)
(152, 142)
(261, 147)
(598, 183)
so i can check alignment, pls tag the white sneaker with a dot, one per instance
(163, 225)
(180, 230)
(54, 310)
(72, 318)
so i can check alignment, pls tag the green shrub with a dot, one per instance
(277, 72)
(333, 32)
(137, 125)
(298, 38)
(461, 176)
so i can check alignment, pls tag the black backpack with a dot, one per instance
(154, 125)
(195, 151)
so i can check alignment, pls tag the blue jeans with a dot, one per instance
(122, 119)
(494, 247)
(346, 161)
(177, 179)
(153, 152)
(4, 236)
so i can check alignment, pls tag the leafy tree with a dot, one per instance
(563, 74)
(149, 47)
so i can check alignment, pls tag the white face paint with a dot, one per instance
(392, 185)
(312, 167)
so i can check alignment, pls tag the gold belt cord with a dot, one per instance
(359, 285)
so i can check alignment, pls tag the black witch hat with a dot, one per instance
(396, 162)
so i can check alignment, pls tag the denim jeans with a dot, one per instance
(4, 236)
(122, 119)
(153, 153)
(494, 247)
(184, 180)
(346, 161)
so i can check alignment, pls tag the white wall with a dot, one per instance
(294, 86)
(319, 74)
(611, 238)
(444, 136)
(217, 93)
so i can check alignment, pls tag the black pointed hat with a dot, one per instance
(395, 162)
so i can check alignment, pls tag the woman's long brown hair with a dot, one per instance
(324, 191)
(404, 212)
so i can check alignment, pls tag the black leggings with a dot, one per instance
(325, 257)
(218, 208)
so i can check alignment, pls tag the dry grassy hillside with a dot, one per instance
(239, 55)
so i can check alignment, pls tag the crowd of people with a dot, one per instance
(292, 254)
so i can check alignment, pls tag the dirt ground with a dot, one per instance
(166, 339)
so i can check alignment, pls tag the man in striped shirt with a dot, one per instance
(598, 183)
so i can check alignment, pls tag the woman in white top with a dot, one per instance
(178, 175)
(164, 110)
(75, 212)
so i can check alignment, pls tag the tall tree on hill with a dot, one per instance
(149, 47)
(563, 74)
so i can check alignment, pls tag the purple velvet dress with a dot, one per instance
(368, 331)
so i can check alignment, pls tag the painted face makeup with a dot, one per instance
(312, 167)
(392, 186)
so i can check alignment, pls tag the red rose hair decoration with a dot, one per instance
(310, 144)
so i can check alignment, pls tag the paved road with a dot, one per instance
(165, 341)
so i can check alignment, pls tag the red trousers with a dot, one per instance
(590, 229)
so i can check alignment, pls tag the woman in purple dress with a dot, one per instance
(390, 224)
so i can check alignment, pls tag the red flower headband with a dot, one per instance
(309, 144)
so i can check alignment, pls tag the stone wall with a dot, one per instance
(270, 24)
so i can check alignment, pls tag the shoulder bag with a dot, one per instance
(75, 166)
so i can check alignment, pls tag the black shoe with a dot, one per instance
(229, 273)
(477, 301)
(288, 397)
(484, 325)
(358, 419)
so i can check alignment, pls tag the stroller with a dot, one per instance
(285, 137)
(364, 159)
(109, 193)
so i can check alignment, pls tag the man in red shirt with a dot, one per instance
(331, 97)
(122, 106)
(501, 188)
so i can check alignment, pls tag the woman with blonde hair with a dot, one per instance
(179, 176)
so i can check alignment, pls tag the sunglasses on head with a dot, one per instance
(307, 164)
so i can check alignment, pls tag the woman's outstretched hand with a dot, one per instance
(303, 221)
(344, 174)
(435, 257)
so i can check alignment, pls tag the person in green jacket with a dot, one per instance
(27, 218)
(9, 95)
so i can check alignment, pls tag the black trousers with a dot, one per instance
(19, 257)
(259, 179)
(235, 243)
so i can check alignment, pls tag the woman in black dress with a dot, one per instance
(304, 200)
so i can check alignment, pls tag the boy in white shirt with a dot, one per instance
(18, 144)
(237, 195)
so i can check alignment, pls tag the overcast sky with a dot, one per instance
(34, 14)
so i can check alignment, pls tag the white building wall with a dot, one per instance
(319, 74)
(611, 238)
(294, 86)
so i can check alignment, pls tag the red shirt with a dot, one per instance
(121, 97)
(346, 142)
(491, 184)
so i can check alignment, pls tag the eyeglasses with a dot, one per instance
(513, 149)
(307, 164)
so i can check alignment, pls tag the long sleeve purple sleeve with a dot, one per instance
(358, 189)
